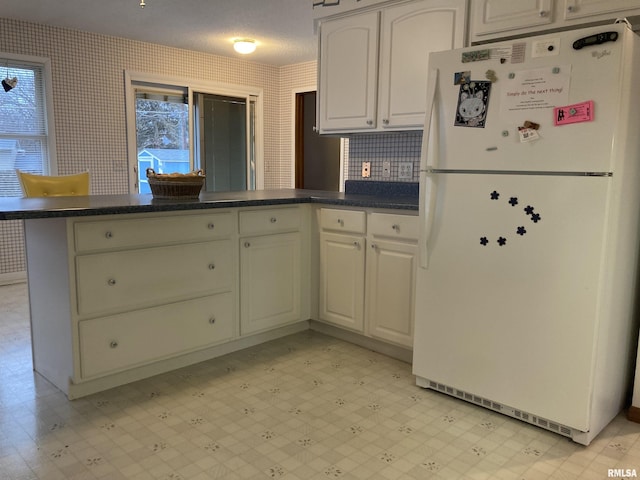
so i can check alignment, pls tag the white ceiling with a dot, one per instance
(283, 29)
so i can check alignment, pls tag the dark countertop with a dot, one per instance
(27, 208)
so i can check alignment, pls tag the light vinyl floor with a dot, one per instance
(307, 406)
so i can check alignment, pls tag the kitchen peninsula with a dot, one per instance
(123, 287)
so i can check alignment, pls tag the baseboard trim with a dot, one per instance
(89, 387)
(633, 414)
(394, 351)
(13, 277)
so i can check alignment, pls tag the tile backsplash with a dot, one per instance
(376, 148)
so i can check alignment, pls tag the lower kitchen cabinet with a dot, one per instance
(368, 290)
(272, 266)
(342, 261)
(118, 298)
(270, 278)
(391, 270)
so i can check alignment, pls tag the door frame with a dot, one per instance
(296, 147)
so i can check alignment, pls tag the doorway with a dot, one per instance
(317, 158)
(225, 141)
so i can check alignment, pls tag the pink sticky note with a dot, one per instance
(579, 112)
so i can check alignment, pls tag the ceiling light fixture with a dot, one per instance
(244, 45)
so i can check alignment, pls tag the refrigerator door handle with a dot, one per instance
(432, 81)
(428, 192)
(427, 183)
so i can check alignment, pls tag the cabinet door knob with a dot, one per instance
(108, 234)
(374, 246)
(356, 244)
(211, 226)
(113, 344)
(273, 220)
(111, 282)
(247, 244)
(385, 121)
(212, 320)
(396, 227)
(341, 222)
(543, 13)
(369, 122)
(570, 8)
(212, 266)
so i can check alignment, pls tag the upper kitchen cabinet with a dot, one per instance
(495, 19)
(373, 64)
(348, 66)
(490, 17)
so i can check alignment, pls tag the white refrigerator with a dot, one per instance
(529, 209)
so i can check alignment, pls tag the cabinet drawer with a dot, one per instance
(269, 221)
(119, 281)
(403, 227)
(139, 232)
(117, 342)
(343, 220)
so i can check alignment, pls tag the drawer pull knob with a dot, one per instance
(212, 320)
(212, 266)
(211, 226)
(341, 222)
(108, 235)
(247, 244)
(113, 344)
(273, 220)
(356, 244)
(111, 282)
(374, 246)
(543, 13)
(396, 227)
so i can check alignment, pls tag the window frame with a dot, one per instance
(133, 79)
(49, 164)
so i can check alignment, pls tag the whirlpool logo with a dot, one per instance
(600, 54)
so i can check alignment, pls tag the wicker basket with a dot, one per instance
(175, 185)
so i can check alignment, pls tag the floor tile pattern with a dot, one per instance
(307, 406)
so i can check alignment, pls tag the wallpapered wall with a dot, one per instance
(89, 110)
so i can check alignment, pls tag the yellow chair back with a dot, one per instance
(53, 186)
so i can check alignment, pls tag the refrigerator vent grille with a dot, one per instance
(498, 407)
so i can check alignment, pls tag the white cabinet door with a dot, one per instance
(342, 263)
(391, 269)
(493, 16)
(583, 9)
(347, 73)
(270, 274)
(409, 32)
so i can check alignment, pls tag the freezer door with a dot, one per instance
(504, 91)
(508, 305)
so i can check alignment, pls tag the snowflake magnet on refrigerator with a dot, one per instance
(520, 229)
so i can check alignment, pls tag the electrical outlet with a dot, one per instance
(405, 170)
(386, 169)
(366, 169)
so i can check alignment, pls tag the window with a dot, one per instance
(178, 125)
(162, 132)
(25, 130)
